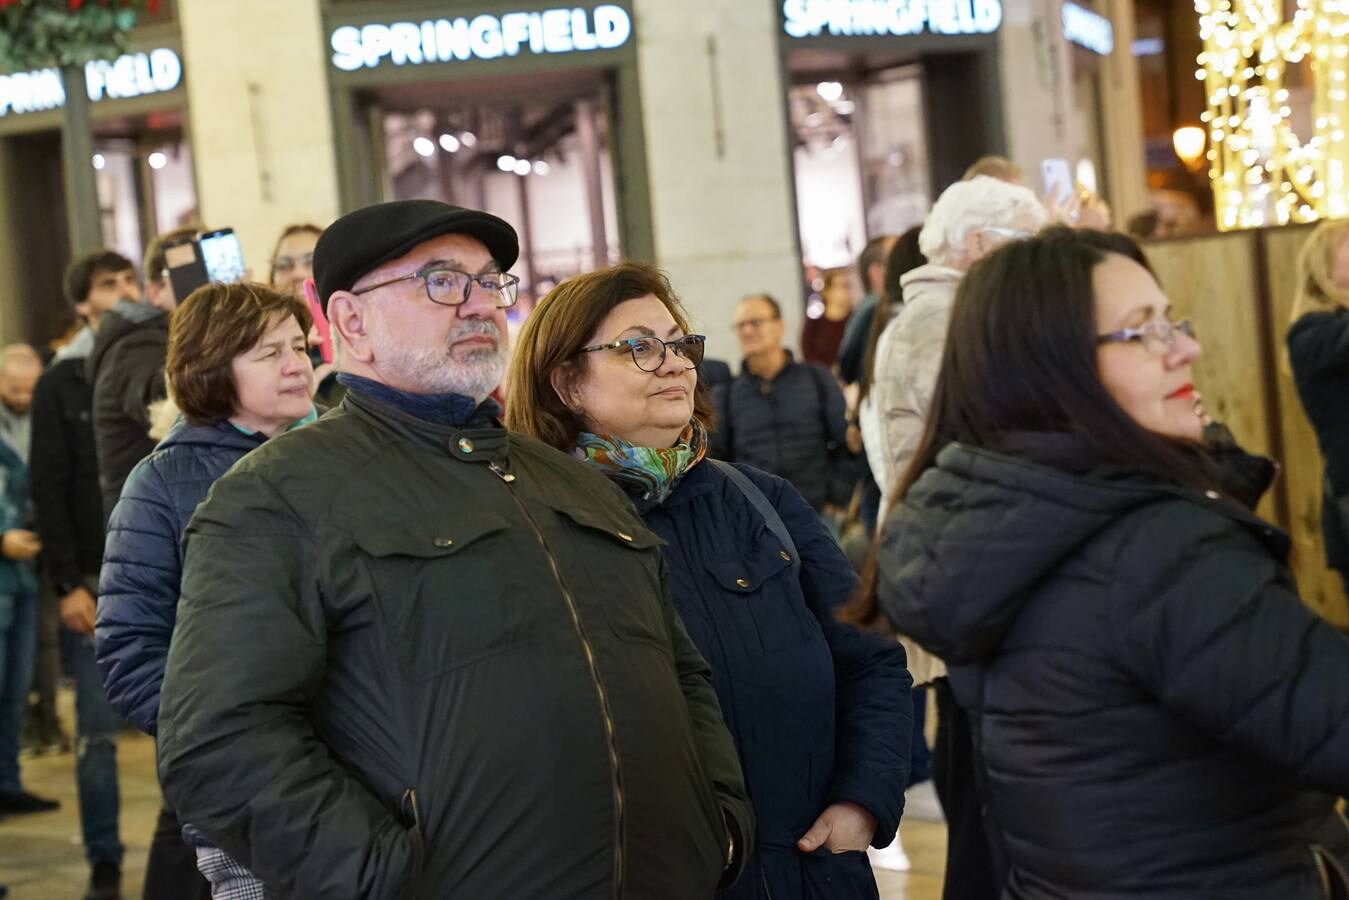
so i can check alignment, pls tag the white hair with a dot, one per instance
(981, 202)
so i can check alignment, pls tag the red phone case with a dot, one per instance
(311, 296)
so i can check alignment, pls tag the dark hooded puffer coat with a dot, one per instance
(1156, 714)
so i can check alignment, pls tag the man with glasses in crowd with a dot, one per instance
(420, 656)
(785, 416)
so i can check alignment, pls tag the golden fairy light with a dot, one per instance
(1262, 173)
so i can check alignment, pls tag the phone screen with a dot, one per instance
(1058, 180)
(223, 256)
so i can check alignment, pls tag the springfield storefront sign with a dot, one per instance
(812, 18)
(485, 36)
(132, 75)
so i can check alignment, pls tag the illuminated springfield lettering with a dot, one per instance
(562, 30)
(811, 18)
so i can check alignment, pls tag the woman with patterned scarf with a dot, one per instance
(606, 370)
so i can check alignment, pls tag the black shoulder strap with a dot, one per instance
(760, 502)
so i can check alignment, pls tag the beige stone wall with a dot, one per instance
(260, 119)
(1038, 109)
(725, 224)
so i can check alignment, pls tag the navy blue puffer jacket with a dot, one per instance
(143, 561)
(820, 711)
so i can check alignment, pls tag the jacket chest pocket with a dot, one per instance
(762, 596)
(447, 595)
(622, 568)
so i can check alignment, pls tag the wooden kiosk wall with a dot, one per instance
(1238, 288)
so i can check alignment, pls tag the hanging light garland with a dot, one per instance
(1262, 173)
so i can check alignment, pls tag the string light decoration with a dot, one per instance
(1261, 172)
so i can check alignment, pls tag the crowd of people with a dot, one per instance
(586, 612)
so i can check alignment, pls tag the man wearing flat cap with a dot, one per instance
(418, 656)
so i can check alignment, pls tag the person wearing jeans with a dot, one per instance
(96, 728)
(18, 629)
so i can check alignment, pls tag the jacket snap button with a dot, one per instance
(785, 555)
(1212, 495)
(626, 537)
(443, 542)
(465, 445)
(742, 582)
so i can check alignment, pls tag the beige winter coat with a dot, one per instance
(908, 358)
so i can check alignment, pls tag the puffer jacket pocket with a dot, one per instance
(626, 574)
(440, 592)
(765, 599)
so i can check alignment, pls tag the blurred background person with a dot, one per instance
(126, 368)
(826, 322)
(785, 417)
(19, 547)
(238, 369)
(871, 269)
(969, 220)
(293, 258)
(69, 509)
(1157, 712)
(1318, 352)
(606, 370)
(293, 262)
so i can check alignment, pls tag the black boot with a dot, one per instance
(105, 883)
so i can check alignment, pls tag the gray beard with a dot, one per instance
(435, 370)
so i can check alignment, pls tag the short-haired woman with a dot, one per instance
(238, 370)
(605, 369)
(1318, 351)
(1155, 713)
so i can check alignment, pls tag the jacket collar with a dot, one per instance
(480, 439)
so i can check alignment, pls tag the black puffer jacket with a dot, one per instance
(1155, 712)
(793, 426)
(1318, 350)
(421, 661)
(126, 370)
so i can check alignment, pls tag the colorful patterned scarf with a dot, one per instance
(652, 471)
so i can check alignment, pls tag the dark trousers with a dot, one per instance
(171, 872)
(920, 757)
(971, 872)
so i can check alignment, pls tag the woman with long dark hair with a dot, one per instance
(1154, 712)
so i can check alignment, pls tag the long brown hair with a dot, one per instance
(1020, 356)
(561, 324)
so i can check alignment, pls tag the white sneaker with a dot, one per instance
(891, 859)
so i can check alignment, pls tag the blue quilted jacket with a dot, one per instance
(820, 711)
(143, 560)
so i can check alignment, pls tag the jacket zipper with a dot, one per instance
(763, 879)
(1321, 871)
(606, 711)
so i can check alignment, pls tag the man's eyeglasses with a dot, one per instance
(451, 287)
(1157, 336)
(648, 353)
(755, 324)
(286, 263)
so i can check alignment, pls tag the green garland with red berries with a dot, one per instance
(37, 34)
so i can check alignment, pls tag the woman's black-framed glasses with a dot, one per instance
(648, 353)
(451, 287)
(1157, 336)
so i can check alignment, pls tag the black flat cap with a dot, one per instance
(370, 237)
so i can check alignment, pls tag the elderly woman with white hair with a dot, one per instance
(969, 220)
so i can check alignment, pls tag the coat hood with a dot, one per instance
(962, 552)
(123, 319)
